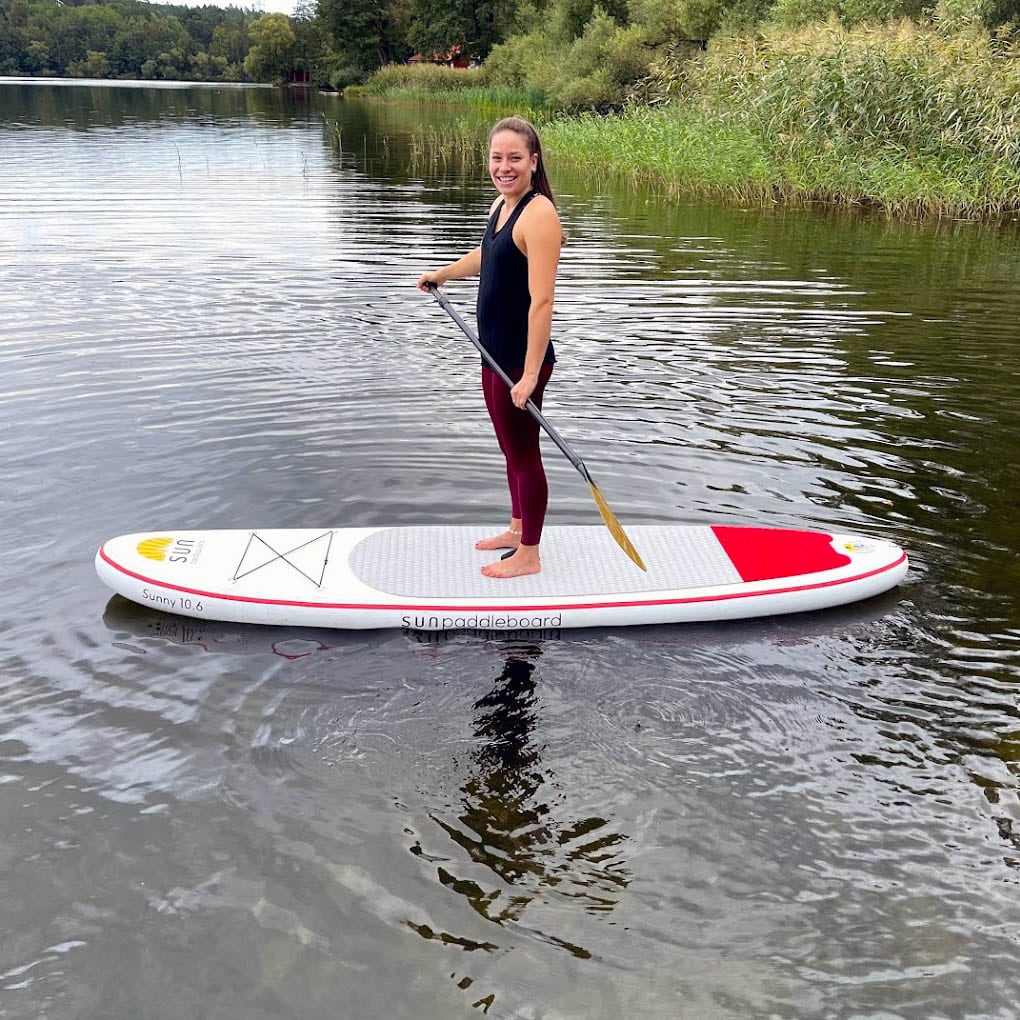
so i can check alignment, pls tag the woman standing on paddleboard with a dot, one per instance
(517, 262)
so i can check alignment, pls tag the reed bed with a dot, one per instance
(433, 82)
(897, 117)
(687, 152)
(461, 145)
(672, 151)
(430, 78)
(900, 84)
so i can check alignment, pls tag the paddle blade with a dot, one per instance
(614, 526)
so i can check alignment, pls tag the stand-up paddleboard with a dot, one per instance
(429, 578)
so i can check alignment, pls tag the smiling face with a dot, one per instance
(511, 164)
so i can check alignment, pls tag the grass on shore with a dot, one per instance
(432, 82)
(687, 152)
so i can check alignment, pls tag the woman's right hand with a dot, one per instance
(429, 280)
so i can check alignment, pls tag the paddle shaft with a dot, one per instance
(529, 406)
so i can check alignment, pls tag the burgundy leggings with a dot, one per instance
(517, 434)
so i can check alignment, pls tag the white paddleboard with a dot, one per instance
(429, 578)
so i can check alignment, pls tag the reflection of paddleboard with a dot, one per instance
(133, 626)
(429, 578)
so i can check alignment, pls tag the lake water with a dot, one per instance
(208, 319)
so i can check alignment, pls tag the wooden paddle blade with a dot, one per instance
(614, 526)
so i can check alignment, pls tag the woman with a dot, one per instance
(517, 262)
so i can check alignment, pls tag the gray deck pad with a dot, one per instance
(442, 562)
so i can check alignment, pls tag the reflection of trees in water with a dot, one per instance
(508, 825)
(82, 107)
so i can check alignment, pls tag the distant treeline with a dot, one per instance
(330, 43)
(131, 39)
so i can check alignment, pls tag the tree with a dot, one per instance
(85, 29)
(230, 42)
(36, 58)
(272, 56)
(472, 27)
(310, 35)
(364, 35)
(95, 65)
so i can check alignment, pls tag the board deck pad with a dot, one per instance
(443, 562)
(429, 577)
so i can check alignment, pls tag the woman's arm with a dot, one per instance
(469, 265)
(540, 239)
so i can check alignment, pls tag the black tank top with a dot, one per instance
(503, 296)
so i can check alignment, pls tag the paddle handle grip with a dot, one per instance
(491, 362)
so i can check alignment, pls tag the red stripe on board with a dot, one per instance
(502, 607)
(765, 554)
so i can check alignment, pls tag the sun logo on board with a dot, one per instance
(154, 548)
(859, 547)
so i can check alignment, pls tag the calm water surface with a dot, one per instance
(207, 318)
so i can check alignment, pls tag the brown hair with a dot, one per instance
(524, 128)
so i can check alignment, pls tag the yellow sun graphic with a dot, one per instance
(154, 548)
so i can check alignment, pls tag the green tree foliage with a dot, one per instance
(231, 42)
(575, 16)
(362, 36)
(123, 39)
(95, 65)
(471, 27)
(310, 39)
(593, 69)
(272, 55)
(586, 54)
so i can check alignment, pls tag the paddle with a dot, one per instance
(615, 529)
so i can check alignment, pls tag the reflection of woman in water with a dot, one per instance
(505, 824)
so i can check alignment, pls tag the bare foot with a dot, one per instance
(509, 539)
(524, 561)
